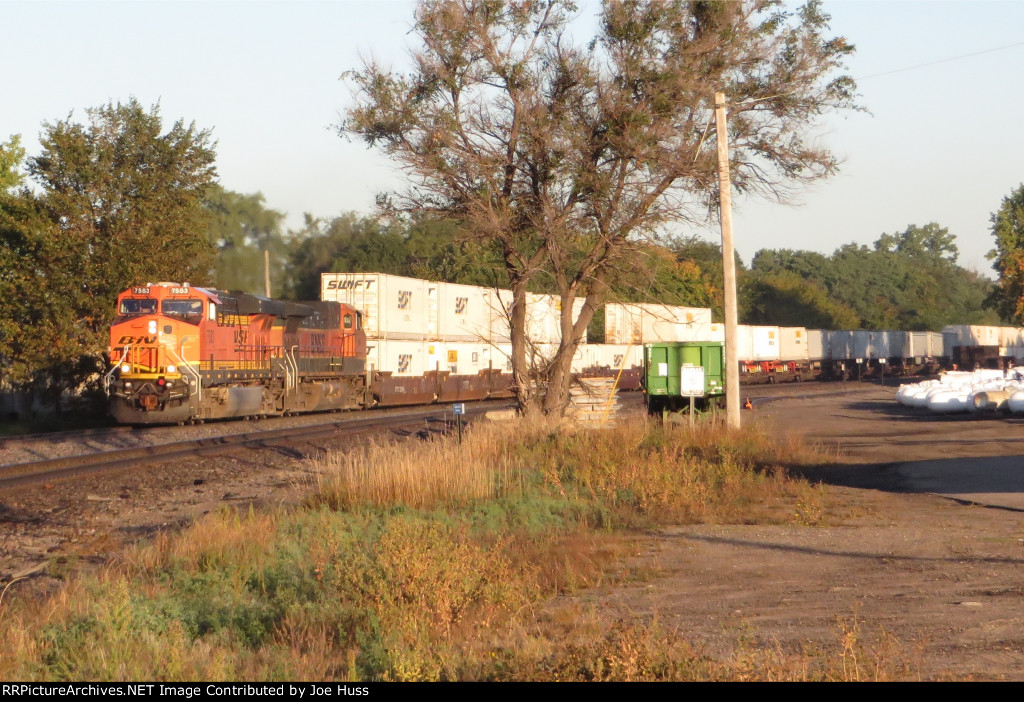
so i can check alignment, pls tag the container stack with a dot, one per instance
(636, 323)
(415, 326)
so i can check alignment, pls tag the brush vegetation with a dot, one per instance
(436, 561)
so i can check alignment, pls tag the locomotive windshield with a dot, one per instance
(131, 307)
(182, 308)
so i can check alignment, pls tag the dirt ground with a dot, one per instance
(922, 549)
(920, 557)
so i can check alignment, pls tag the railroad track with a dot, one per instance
(8, 442)
(44, 471)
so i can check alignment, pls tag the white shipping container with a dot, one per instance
(949, 343)
(936, 345)
(918, 345)
(1011, 336)
(877, 344)
(465, 357)
(636, 323)
(400, 357)
(816, 344)
(613, 356)
(744, 343)
(757, 343)
(972, 335)
(840, 346)
(765, 343)
(543, 317)
(393, 307)
(793, 344)
(465, 313)
(863, 344)
(897, 344)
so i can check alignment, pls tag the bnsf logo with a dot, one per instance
(136, 340)
(404, 361)
(350, 284)
(404, 298)
(460, 305)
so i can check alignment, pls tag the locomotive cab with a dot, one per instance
(154, 349)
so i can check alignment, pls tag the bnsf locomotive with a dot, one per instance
(183, 354)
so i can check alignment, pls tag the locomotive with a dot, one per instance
(183, 354)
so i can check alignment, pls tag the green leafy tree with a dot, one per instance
(785, 298)
(244, 231)
(346, 244)
(562, 158)
(908, 280)
(1008, 257)
(12, 154)
(119, 202)
(418, 247)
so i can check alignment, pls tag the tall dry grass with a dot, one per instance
(422, 561)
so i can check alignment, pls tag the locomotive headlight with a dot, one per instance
(152, 326)
(126, 368)
(171, 368)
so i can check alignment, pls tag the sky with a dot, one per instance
(942, 141)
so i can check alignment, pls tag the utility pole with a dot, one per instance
(266, 271)
(732, 378)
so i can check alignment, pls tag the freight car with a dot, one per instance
(181, 353)
(675, 371)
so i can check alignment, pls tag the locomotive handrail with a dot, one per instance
(110, 374)
(291, 369)
(179, 357)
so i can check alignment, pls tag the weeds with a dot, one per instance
(429, 561)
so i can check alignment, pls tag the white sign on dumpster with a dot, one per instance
(691, 381)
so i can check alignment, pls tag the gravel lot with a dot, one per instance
(914, 553)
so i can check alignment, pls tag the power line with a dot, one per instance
(945, 60)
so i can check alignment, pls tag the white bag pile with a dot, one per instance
(967, 391)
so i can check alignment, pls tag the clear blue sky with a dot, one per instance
(943, 142)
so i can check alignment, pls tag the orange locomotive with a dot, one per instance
(183, 353)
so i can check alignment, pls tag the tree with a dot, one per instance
(907, 280)
(120, 203)
(418, 247)
(784, 298)
(12, 154)
(243, 230)
(1008, 255)
(563, 158)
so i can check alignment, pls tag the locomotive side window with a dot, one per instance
(134, 307)
(348, 321)
(212, 312)
(191, 310)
